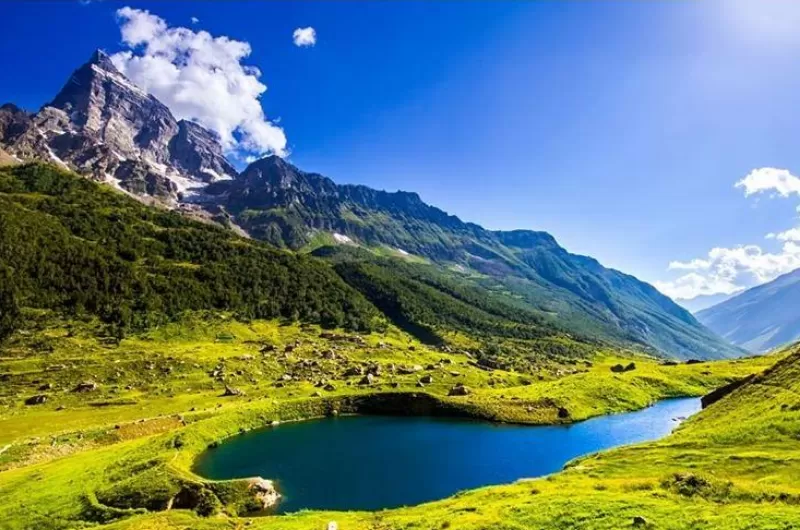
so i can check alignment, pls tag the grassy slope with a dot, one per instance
(57, 462)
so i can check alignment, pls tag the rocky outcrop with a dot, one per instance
(103, 126)
(715, 395)
(265, 492)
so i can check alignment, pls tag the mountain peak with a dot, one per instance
(102, 60)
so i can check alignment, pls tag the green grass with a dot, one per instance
(86, 458)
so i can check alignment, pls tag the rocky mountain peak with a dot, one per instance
(102, 60)
(104, 126)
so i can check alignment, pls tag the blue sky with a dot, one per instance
(620, 127)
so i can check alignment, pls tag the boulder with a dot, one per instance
(230, 391)
(426, 379)
(264, 492)
(459, 390)
(355, 370)
(36, 400)
(86, 386)
(367, 380)
(563, 413)
(639, 521)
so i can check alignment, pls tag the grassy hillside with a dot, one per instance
(279, 203)
(69, 245)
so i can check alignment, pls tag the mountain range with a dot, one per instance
(761, 318)
(427, 271)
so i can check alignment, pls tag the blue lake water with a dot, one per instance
(374, 462)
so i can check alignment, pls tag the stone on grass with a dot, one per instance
(36, 400)
(459, 390)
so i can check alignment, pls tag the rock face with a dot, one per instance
(103, 126)
(265, 492)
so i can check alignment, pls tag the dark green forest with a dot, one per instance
(71, 245)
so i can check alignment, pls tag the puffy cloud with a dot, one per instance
(194, 20)
(199, 77)
(305, 37)
(728, 270)
(793, 234)
(693, 285)
(779, 181)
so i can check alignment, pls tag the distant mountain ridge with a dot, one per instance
(104, 127)
(761, 318)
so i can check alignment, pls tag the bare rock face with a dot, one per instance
(264, 491)
(103, 126)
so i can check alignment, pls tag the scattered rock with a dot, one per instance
(230, 391)
(563, 413)
(367, 380)
(355, 370)
(36, 400)
(617, 368)
(426, 379)
(329, 387)
(46, 386)
(86, 386)
(459, 390)
(639, 521)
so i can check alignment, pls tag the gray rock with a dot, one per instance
(86, 386)
(459, 390)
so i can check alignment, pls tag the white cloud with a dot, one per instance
(194, 20)
(305, 36)
(793, 234)
(728, 270)
(764, 179)
(693, 285)
(199, 77)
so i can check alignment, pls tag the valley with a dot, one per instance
(169, 309)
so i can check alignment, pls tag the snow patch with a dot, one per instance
(187, 186)
(54, 157)
(214, 175)
(341, 238)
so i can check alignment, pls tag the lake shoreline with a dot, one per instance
(365, 447)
